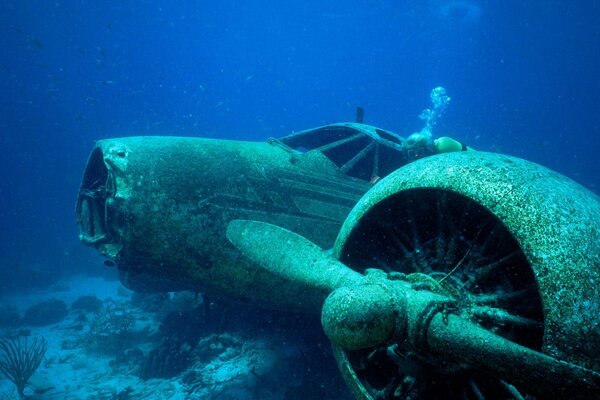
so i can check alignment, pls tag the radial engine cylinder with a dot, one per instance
(516, 245)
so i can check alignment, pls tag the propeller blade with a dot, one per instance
(289, 255)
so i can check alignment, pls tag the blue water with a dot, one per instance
(523, 77)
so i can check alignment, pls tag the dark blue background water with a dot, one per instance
(523, 76)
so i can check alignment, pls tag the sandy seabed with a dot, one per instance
(243, 361)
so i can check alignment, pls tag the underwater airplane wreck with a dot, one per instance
(438, 272)
(462, 275)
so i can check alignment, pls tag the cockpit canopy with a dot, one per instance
(358, 150)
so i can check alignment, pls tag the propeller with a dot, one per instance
(361, 311)
(291, 256)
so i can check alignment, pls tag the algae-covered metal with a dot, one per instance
(463, 275)
(438, 291)
(515, 245)
(158, 206)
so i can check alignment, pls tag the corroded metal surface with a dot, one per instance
(412, 324)
(477, 268)
(555, 221)
(162, 206)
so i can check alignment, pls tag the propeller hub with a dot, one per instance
(362, 316)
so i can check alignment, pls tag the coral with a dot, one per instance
(19, 360)
(180, 331)
(229, 367)
(111, 330)
(167, 360)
